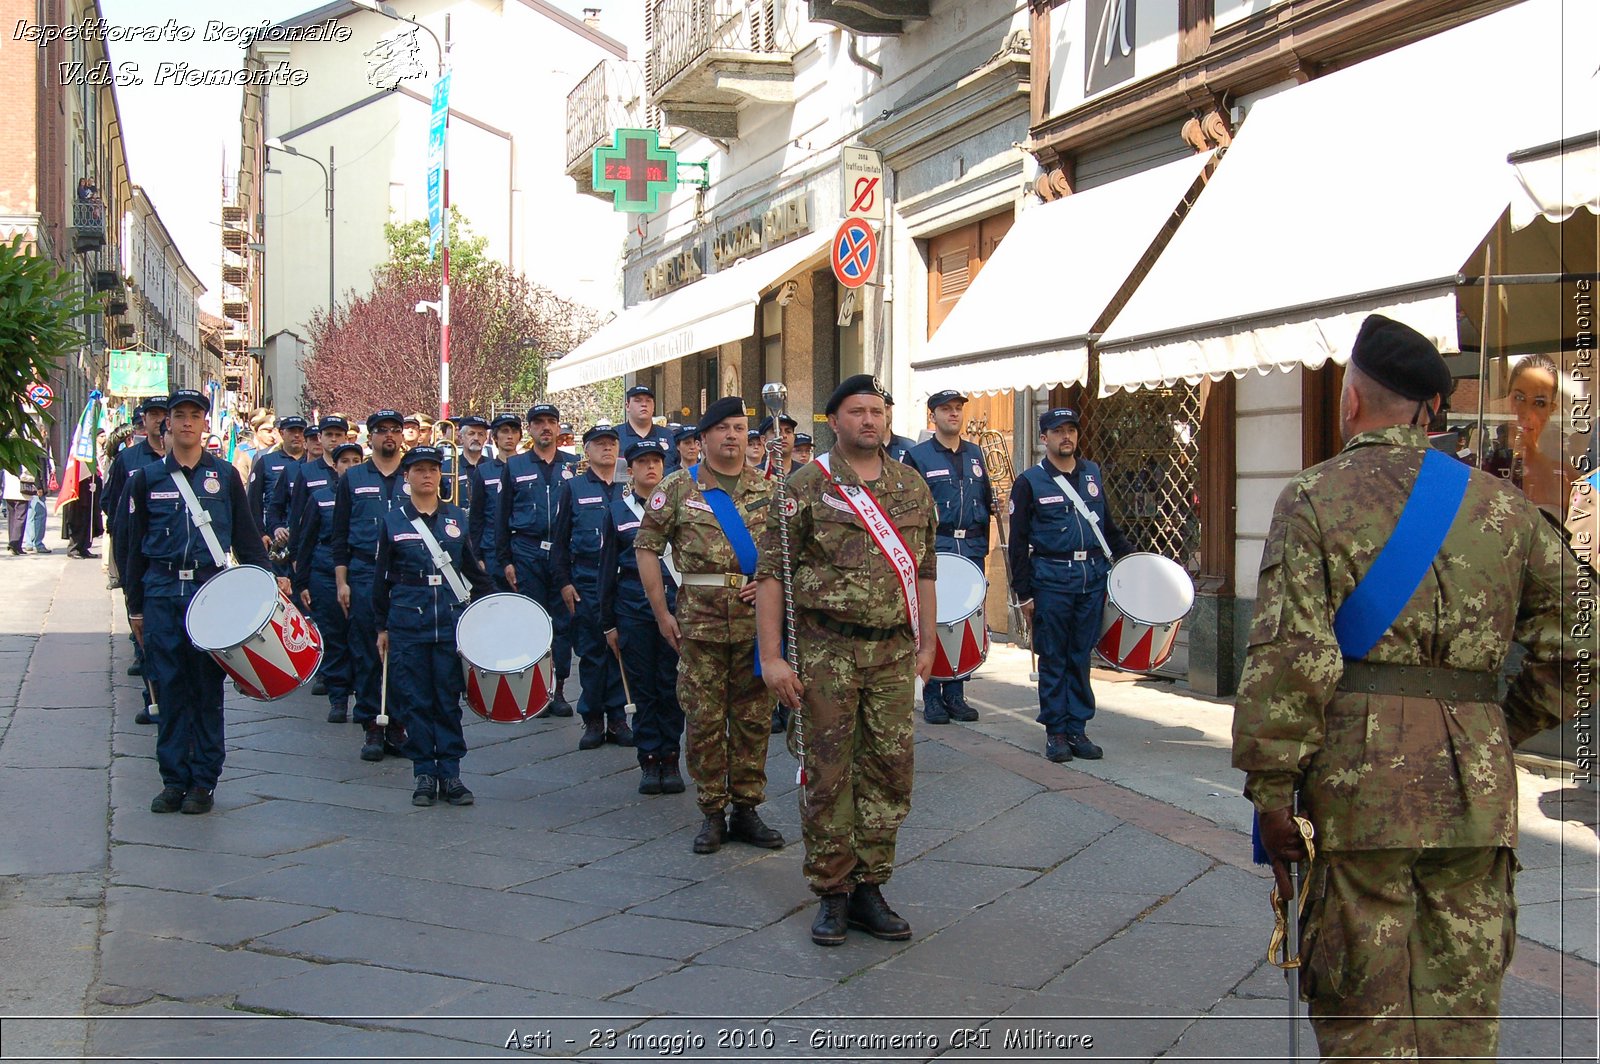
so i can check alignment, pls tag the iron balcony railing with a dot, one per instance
(88, 226)
(682, 31)
(611, 96)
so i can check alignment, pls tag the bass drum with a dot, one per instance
(251, 629)
(962, 622)
(505, 645)
(1147, 598)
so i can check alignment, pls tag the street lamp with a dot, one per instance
(277, 144)
(443, 309)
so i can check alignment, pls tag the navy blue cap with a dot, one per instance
(766, 423)
(1061, 415)
(473, 421)
(949, 395)
(595, 432)
(384, 415)
(154, 402)
(503, 420)
(687, 432)
(333, 421)
(753, 434)
(802, 439)
(340, 450)
(641, 448)
(638, 390)
(543, 410)
(188, 395)
(291, 421)
(313, 430)
(422, 454)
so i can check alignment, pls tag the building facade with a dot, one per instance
(163, 293)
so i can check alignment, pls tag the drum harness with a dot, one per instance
(202, 523)
(441, 561)
(1083, 511)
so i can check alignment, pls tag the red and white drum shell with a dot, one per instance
(1147, 598)
(962, 622)
(505, 643)
(251, 629)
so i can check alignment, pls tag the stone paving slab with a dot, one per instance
(64, 830)
(1039, 833)
(618, 890)
(750, 895)
(648, 936)
(736, 992)
(1156, 963)
(482, 870)
(224, 922)
(188, 971)
(57, 738)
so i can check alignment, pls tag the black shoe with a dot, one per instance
(650, 776)
(828, 929)
(594, 733)
(933, 710)
(319, 688)
(372, 749)
(559, 706)
(394, 740)
(136, 669)
(671, 779)
(143, 716)
(455, 792)
(170, 800)
(15, 548)
(1082, 747)
(1057, 748)
(75, 553)
(197, 801)
(427, 790)
(338, 714)
(711, 834)
(620, 733)
(872, 914)
(957, 709)
(780, 720)
(745, 825)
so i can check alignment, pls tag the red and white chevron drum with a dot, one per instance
(254, 632)
(962, 624)
(1147, 598)
(505, 645)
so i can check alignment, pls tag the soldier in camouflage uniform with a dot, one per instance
(858, 658)
(714, 631)
(1402, 759)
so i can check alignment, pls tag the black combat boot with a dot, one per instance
(455, 792)
(372, 748)
(394, 739)
(872, 914)
(711, 834)
(649, 776)
(671, 779)
(745, 825)
(427, 791)
(618, 732)
(594, 732)
(559, 706)
(957, 709)
(828, 929)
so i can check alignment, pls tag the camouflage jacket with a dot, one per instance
(1385, 771)
(678, 514)
(839, 569)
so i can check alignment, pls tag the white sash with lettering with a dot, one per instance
(441, 561)
(631, 501)
(887, 536)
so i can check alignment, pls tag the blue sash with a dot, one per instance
(1397, 572)
(734, 530)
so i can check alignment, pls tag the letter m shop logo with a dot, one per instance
(1109, 37)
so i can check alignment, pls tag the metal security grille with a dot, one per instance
(1147, 445)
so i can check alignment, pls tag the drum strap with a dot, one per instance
(201, 519)
(632, 503)
(441, 561)
(1084, 512)
(882, 529)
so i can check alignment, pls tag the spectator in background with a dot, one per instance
(38, 515)
(16, 503)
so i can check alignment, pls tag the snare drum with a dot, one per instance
(1147, 598)
(962, 623)
(505, 645)
(254, 632)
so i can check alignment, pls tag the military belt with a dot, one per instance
(1420, 681)
(961, 533)
(715, 580)
(856, 631)
(415, 579)
(196, 573)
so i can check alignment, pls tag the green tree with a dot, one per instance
(408, 250)
(38, 303)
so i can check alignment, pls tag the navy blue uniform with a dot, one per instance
(313, 572)
(651, 662)
(1057, 562)
(419, 610)
(129, 460)
(898, 446)
(582, 514)
(363, 498)
(306, 478)
(964, 498)
(525, 521)
(626, 435)
(168, 561)
(265, 473)
(483, 516)
(464, 480)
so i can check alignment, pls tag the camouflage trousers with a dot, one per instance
(728, 718)
(1404, 951)
(857, 729)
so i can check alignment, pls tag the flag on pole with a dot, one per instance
(84, 457)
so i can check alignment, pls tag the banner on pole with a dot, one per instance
(436, 127)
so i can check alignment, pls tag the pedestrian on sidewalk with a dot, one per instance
(861, 528)
(16, 504)
(38, 513)
(1392, 582)
(426, 574)
(1063, 543)
(169, 560)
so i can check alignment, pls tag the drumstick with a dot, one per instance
(152, 710)
(382, 720)
(629, 708)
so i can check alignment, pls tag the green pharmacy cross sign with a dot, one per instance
(636, 170)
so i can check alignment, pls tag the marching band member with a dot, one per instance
(953, 469)
(897, 445)
(265, 473)
(755, 451)
(365, 495)
(410, 431)
(768, 428)
(473, 434)
(582, 511)
(295, 488)
(483, 514)
(426, 574)
(530, 490)
(639, 406)
(170, 557)
(630, 627)
(802, 448)
(152, 416)
(687, 446)
(315, 584)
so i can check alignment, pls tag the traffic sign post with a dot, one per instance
(855, 253)
(862, 182)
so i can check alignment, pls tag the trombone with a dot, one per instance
(451, 472)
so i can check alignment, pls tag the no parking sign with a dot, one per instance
(855, 253)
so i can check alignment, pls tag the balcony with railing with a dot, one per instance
(610, 97)
(707, 57)
(88, 226)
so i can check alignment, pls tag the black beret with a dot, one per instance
(422, 454)
(860, 384)
(1401, 359)
(949, 395)
(595, 432)
(720, 411)
(643, 448)
(766, 423)
(339, 451)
